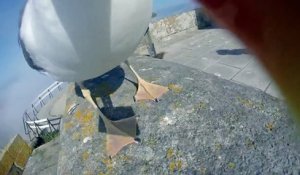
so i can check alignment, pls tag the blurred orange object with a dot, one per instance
(271, 30)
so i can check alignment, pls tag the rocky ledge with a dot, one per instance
(203, 125)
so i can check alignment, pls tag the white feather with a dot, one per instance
(75, 40)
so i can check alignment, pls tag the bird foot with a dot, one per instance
(119, 134)
(87, 95)
(149, 91)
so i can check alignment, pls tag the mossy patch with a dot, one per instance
(231, 165)
(87, 118)
(250, 104)
(124, 158)
(175, 88)
(270, 126)
(170, 153)
(249, 143)
(48, 136)
(87, 131)
(85, 155)
(151, 142)
(109, 165)
(68, 125)
(176, 105)
(246, 102)
(203, 170)
(142, 105)
(175, 166)
(218, 146)
(175, 162)
(76, 136)
(201, 105)
(87, 173)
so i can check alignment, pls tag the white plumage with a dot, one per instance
(76, 40)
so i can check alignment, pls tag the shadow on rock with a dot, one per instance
(102, 87)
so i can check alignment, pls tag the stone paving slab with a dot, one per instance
(274, 91)
(253, 75)
(199, 63)
(205, 50)
(223, 71)
(239, 60)
(55, 107)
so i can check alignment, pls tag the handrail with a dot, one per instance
(42, 99)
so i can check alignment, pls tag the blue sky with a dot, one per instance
(19, 85)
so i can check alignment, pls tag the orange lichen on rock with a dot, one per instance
(175, 88)
(85, 118)
(170, 153)
(109, 165)
(87, 131)
(76, 136)
(78, 114)
(68, 125)
(175, 165)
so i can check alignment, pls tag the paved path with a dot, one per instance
(55, 107)
(216, 52)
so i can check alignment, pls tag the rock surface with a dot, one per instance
(44, 159)
(204, 125)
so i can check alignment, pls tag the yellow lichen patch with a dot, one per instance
(86, 118)
(179, 165)
(250, 104)
(270, 126)
(246, 102)
(202, 105)
(170, 153)
(249, 143)
(87, 173)
(175, 165)
(218, 146)
(151, 142)
(87, 131)
(124, 158)
(203, 170)
(107, 162)
(142, 104)
(76, 136)
(78, 114)
(177, 105)
(109, 165)
(68, 125)
(172, 166)
(85, 155)
(175, 88)
(231, 165)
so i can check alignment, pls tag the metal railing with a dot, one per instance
(32, 124)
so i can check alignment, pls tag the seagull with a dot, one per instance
(76, 40)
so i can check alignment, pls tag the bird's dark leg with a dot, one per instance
(146, 90)
(87, 94)
(119, 133)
